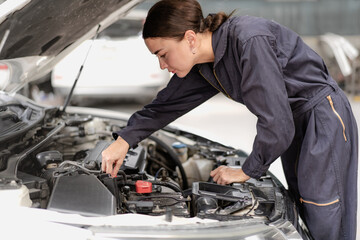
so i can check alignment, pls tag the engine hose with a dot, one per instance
(166, 184)
(123, 174)
(160, 183)
(174, 157)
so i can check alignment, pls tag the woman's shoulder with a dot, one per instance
(245, 27)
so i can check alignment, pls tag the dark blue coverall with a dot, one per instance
(302, 116)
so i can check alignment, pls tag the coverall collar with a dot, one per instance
(219, 41)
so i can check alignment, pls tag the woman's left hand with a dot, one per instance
(226, 175)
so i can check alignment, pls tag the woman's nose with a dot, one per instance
(162, 63)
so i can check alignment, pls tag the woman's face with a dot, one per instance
(174, 55)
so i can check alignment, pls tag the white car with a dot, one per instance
(116, 65)
(51, 184)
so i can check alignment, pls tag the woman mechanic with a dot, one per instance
(302, 114)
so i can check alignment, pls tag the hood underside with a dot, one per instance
(46, 27)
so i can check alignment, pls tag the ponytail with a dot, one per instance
(213, 21)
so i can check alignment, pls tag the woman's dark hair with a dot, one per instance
(172, 18)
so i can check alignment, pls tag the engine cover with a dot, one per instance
(134, 159)
(82, 194)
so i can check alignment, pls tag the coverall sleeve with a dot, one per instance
(264, 94)
(179, 97)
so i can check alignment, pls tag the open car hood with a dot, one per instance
(50, 159)
(36, 34)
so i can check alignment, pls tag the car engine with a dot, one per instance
(59, 162)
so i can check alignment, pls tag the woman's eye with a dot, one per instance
(163, 56)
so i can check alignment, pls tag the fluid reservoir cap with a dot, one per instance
(143, 186)
(178, 145)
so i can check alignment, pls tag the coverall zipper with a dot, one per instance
(209, 81)
(226, 94)
(221, 85)
(319, 204)
(336, 113)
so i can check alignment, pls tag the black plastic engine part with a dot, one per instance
(210, 196)
(135, 158)
(205, 203)
(140, 206)
(220, 192)
(48, 157)
(82, 194)
(158, 204)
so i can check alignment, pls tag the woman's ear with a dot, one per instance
(190, 37)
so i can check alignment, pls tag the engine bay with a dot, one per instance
(166, 174)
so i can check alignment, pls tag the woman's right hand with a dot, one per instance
(113, 156)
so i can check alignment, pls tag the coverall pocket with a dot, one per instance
(323, 219)
(337, 115)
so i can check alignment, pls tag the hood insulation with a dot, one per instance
(46, 27)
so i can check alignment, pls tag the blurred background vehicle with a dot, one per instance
(342, 60)
(4, 75)
(116, 65)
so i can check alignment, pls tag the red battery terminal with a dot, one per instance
(143, 186)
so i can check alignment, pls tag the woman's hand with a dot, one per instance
(226, 175)
(113, 156)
